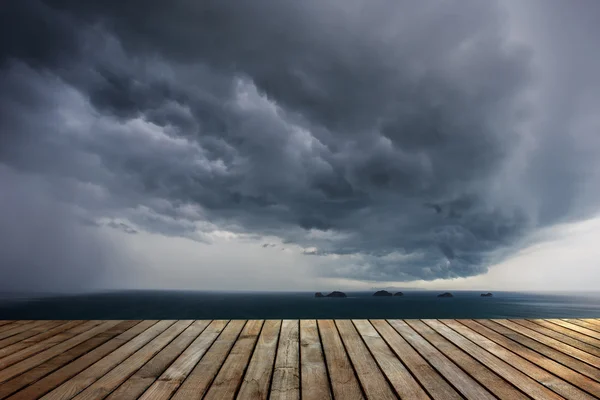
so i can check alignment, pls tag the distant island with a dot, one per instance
(381, 293)
(385, 293)
(332, 294)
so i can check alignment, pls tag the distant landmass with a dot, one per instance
(381, 293)
(332, 294)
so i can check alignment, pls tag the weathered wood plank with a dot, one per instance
(286, 373)
(398, 376)
(106, 384)
(539, 359)
(35, 329)
(13, 325)
(76, 336)
(437, 387)
(34, 374)
(584, 323)
(37, 343)
(313, 371)
(23, 331)
(476, 381)
(137, 384)
(63, 374)
(369, 375)
(577, 328)
(175, 375)
(344, 384)
(531, 370)
(255, 385)
(575, 331)
(229, 378)
(541, 348)
(291, 359)
(556, 332)
(91, 374)
(536, 333)
(592, 321)
(199, 380)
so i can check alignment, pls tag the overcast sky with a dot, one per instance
(314, 145)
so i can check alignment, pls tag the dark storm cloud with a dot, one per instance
(368, 129)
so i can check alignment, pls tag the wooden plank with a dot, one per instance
(569, 334)
(537, 334)
(584, 323)
(521, 380)
(474, 379)
(569, 375)
(578, 332)
(592, 321)
(174, 376)
(35, 329)
(560, 334)
(369, 375)
(559, 356)
(16, 329)
(434, 383)
(199, 380)
(85, 378)
(286, 372)
(397, 375)
(106, 384)
(255, 385)
(43, 386)
(13, 325)
(536, 374)
(41, 342)
(229, 378)
(34, 374)
(344, 384)
(313, 371)
(5, 322)
(75, 336)
(137, 384)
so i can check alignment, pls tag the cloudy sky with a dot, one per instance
(314, 145)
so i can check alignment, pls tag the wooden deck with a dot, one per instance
(308, 359)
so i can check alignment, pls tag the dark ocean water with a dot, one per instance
(218, 305)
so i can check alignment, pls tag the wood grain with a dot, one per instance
(256, 381)
(344, 383)
(436, 386)
(313, 371)
(199, 380)
(371, 379)
(174, 376)
(286, 373)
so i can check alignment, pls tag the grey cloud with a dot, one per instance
(122, 227)
(385, 125)
(45, 248)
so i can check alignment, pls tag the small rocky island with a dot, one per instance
(398, 294)
(486, 294)
(382, 293)
(319, 294)
(447, 294)
(336, 294)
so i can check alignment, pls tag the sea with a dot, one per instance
(296, 305)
